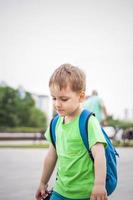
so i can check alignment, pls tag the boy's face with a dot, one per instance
(66, 102)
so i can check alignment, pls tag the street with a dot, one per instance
(20, 171)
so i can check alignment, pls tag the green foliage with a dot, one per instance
(123, 144)
(18, 111)
(119, 123)
(24, 145)
(21, 129)
(37, 118)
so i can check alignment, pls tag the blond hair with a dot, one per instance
(68, 74)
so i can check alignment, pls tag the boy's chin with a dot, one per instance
(62, 114)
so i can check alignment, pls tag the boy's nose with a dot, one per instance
(57, 104)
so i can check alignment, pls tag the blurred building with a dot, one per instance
(44, 104)
(42, 101)
(128, 114)
(22, 92)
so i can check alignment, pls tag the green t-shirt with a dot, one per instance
(75, 169)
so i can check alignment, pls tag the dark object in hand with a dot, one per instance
(47, 195)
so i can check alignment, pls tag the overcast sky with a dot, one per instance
(36, 36)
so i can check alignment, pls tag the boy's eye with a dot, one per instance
(61, 99)
(64, 99)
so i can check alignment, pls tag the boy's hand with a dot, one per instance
(41, 191)
(99, 193)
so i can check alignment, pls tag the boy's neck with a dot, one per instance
(70, 118)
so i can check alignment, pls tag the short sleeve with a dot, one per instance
(47, 135)
(95, 134)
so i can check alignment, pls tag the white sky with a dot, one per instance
(36, 36)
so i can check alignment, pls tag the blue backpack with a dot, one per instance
(110, 152)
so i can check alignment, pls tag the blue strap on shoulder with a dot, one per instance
(52, 129)
(83, 127)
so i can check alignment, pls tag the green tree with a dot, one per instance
(117, 123)
(17, 111)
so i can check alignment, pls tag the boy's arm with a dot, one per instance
(48, 167)
(99, 191)
(49, 164)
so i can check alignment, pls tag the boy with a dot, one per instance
(78, 177)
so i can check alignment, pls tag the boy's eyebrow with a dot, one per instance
(64, 97)
(61, 96)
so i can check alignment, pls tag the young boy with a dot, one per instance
(78, 177)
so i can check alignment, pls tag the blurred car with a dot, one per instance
(128, 134)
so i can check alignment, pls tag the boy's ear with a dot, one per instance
(82, 96)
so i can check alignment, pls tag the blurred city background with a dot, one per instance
(35, 38)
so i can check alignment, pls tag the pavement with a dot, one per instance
(20, 172)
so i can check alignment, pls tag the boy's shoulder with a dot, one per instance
(93, 122)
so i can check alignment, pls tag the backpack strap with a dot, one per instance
(83, 127)
(52, 129)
